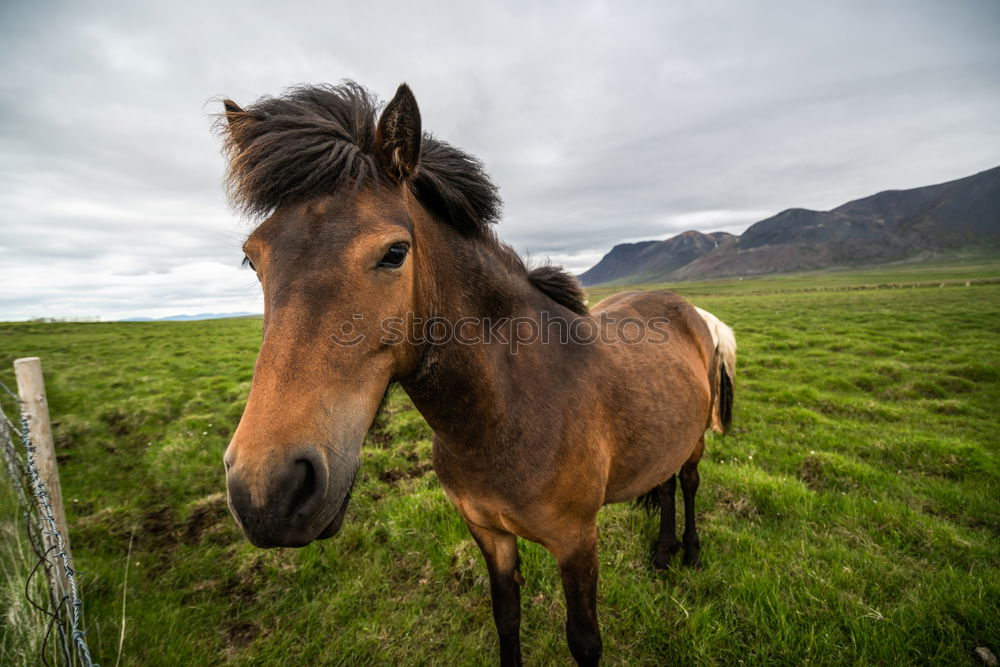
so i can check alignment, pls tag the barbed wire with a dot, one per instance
(41, 494)
(16, 468)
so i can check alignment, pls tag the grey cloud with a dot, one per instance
(600, 121)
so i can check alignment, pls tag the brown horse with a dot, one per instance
(379, 265)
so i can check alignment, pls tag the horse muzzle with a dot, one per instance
(298, 501)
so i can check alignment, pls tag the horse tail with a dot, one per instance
(722, 372)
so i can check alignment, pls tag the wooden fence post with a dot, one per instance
(31, 388)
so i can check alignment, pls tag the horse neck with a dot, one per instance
(467, 391)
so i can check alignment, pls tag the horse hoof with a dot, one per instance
(692, 561)
(662, 554)
(660, 566)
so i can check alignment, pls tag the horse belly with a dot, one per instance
(638, 474)
(656, 433)
(529, 501)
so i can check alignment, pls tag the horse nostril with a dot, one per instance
(303, 487)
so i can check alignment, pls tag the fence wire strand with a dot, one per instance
(73, 625)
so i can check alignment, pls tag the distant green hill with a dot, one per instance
(190, 318)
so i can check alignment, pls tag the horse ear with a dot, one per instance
(232, 110)
(397, 138)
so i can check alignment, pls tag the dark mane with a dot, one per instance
(559, 286)
(316, 140)
(552, 281)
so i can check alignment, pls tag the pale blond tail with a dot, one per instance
(723, 372)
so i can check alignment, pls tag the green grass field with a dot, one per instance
(851, 517)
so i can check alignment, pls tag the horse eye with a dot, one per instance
(246, 262)
(394, 256)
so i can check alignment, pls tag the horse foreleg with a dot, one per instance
(577, 558)
(502, 561)
(667, 544)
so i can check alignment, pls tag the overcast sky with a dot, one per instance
(601, 122)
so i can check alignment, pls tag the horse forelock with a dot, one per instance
(320, 140)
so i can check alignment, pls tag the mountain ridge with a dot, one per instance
(887, 226)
